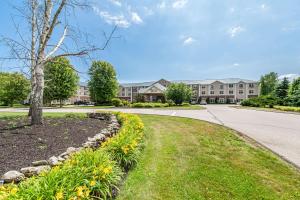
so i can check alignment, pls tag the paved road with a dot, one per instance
(280, 132)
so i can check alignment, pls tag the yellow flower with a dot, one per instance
(107, 170)
(80, 191)
(93, 183)
(59, 196)
(14, 191)
(125, 149)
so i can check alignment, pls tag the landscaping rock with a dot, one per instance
(100, 137)
(31, 171)
(54, 161)
(40, 162)
(106, 132)
(12, 176)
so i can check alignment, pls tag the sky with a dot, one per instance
(183, 39)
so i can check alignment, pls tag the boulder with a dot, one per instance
(54, 161)
(99, 137)
(31, 171)
(13, 176)
(40, 162)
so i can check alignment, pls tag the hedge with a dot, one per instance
(88, 174)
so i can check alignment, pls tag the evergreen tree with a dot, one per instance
(282, 89)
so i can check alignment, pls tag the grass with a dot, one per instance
(11, 115)
(274, 109)
(190, 159)
(190, 107)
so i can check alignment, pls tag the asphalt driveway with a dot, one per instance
(280, 132)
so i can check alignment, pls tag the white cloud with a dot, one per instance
(162, 5)
(263, 6)
(118, 20)
(232, 10)
(234, 31)
(236, 64)
(135, 18)
(179, 4)
(188, 41)
(116, 2)
(291, 77)
(148, 11)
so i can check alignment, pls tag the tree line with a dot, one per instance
(276, 92)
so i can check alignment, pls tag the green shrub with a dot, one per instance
(137, 105)
(170, 102)
(261, 101)
(125, 103)
(126, 146)
(87, 174)
(185, 104)
(116, 102)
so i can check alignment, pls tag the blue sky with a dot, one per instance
(187, 39)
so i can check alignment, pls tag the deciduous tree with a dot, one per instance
(61, 81)
(178, 92)
(268, 83)
(13, 87)
(103, 84)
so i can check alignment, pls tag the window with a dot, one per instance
(231, 85)
(251, 85)
(212, 92)
(195, 86)
(123, 89)
(211, 87)
(221, 100)
(211, 100)
(221, 92)
(123, 94)
(203, 92)
(221, 87)
(241, 85)
(251, 91)
(203, 86)
(241, 92)
(230, 91)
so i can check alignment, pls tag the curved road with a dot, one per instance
(279, 132)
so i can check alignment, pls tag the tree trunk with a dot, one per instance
(37, 95)
(60, 103)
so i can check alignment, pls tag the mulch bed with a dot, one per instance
(21, 144)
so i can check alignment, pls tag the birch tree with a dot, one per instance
(44, 17)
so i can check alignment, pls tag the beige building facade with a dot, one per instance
(231, 90)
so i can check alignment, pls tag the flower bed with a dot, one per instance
(88, 173)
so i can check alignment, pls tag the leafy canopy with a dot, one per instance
(103, 82)
(61, 81)
(13, 87)
(268, 83)
(178, 92)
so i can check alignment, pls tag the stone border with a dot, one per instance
(45, 165)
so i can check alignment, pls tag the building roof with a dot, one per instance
(160, 87)
(146, 84)
(83, 84)
(189, 82)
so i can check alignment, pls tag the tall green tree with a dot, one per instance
(295, 87)
(268, 83)
(14, 87)
(103, 84)
(61, 81)
(178, 92)
(282, 89)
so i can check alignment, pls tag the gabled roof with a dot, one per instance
(210, 81)
(160, 87)
(146, 84)
(190, 82)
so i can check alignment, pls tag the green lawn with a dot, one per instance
(190, 107)
(190, 159)
(274, 109)
(10, 115)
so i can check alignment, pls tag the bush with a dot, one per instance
(125, 103)
(261, 101)
(185, 104)
(149, 105)
(87, 174)
(126, 146)
(137, 105)
(116, 102)
(179, 92)
(170, 102)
